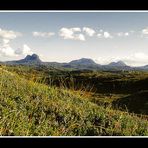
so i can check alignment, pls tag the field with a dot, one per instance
(44, 101)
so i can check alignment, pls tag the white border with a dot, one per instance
(90, 11)
(75, 11)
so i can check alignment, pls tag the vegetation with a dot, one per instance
(42, 101)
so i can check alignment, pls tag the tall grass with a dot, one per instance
(30, 108)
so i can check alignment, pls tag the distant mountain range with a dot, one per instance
(83, 63)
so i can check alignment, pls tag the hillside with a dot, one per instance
(29, 108)
(106, 86)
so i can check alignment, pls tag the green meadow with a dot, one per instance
(44, 101)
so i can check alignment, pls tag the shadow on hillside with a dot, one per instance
(101, 85)
(135, 103)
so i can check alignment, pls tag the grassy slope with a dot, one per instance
(137, 102)
(29, 108)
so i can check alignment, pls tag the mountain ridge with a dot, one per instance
(118, 63)
(83, 63)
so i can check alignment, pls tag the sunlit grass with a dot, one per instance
(30, 108)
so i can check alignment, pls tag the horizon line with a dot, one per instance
(115, 61)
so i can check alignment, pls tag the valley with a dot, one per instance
(43, 100)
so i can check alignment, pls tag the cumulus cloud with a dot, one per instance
(145, 31)
(126, 34)
(76, 29)
(9, 34)
(99, 35)
(89, 31)
(5, 37)
(6, 50)
(104, 34)
(141, 55)
(135, 59)
(105, 60)
(107, 35)
(25, 50)
(43, 34)
(6, 41)
(71, 33)
(123, 34)
(66, 33)
(79, 37)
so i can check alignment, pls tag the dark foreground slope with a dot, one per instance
(28, 108)
(136, 103)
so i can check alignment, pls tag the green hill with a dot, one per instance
(28, 108)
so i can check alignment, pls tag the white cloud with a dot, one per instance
(70, 33)
(141, 56)
(145, 31)
(99, 35)
(107, 35)
(126, 34)
(80, 37)
(9, 34)
(104, 34)
(120, 34)
(76, 29)
(43, 34)
(135, 59)
(123, 34)
(26, 50)
(104, 60)
(66, 33)
(6, 50)
(5, 37)
(89, 31)
(6, 41)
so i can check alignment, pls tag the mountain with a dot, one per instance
(80, 64)
(117, 64)
(83, 63)
(29, 59)
(143, 67)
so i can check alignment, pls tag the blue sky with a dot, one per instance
(65, 36)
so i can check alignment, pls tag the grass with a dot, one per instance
(137, 102)
(29, 108)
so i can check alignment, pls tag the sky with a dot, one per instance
(65, 36)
